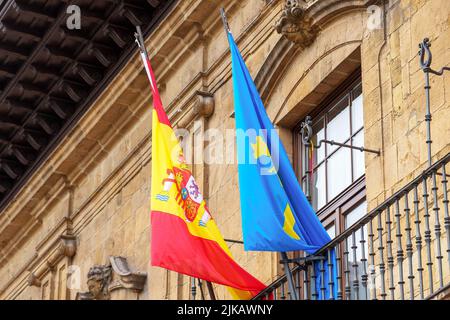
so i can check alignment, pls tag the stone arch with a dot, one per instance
(295, 78)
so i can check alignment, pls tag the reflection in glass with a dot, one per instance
(319, 153)
(319, 192)
(357, 114)
(338, 128)
(331, 230)
(339, 172)
(358, 156)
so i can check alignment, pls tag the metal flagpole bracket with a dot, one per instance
(426, 57)
(225, 20)
(233, 241)
(425, 63)
(302, 262)
(307, 132)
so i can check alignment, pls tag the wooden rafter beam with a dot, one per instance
(20, 31)
(13, 51)
(11, 168)
(154, 3)
(26, 8)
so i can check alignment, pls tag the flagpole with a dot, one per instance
(139, 38)
(289, 276)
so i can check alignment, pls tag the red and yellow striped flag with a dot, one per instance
(185, 237)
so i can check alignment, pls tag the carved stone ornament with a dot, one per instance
(296, 25)
(102, 280)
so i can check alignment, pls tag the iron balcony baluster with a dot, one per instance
(307, 293)
(364, 263)
(409, 247)
(283, 294)
(330, 275)
(348, 288)
(399, 250)
(338, 272)
(445, 201)
(322, 279)
(427, 233)
(355, 266)
(314, 294)
(298, 285)
(390, 257)
(418, 241)
(437, 228)
(371, 235)
(381, 255)
(193, 288)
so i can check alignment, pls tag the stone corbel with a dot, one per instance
(33, 280)
(65, 247)
(102, 280)
(203, 106)
(296, 24)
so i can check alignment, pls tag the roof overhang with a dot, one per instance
(50, 75)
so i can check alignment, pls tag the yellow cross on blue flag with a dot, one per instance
(276, 216)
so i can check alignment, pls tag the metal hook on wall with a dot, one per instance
(307, 133)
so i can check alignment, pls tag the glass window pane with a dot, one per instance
(338, 128)
(339, 172)
(319, 153)
(357, 110)
(356, 214)
(358, 156)
(331, 230)
(319, 196)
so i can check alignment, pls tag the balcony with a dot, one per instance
(400, 250)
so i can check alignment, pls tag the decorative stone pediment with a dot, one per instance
(104, 279)
(301, 20)
(296, 24)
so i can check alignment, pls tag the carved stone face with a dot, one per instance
(95, 287)
(99, 278)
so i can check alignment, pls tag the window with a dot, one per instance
(337, 183)
(335, 168)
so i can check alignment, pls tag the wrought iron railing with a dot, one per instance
(399, 250)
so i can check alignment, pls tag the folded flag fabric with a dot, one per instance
(276, 215)
(185, 237)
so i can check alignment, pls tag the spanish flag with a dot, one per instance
(185, 237)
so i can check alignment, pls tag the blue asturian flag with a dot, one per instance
(276, 215)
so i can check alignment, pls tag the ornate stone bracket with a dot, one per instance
(65, 247)
(104, 279)
(202, 104)
(296, 24)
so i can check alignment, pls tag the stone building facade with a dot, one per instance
(89, 203)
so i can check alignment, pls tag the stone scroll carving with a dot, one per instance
(295, 23)
(104, 279)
